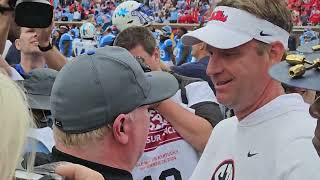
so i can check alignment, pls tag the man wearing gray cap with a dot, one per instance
(271, 135)
(38, 85)
(99, 103)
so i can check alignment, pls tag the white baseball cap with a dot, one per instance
(231, 27)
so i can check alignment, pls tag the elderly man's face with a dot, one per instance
(140, 123)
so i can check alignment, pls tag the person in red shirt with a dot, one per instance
(195, 15)
(315, 18)
(71, 8)
(183, 19)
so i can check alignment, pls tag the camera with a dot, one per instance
(32, 13)
(43, 172)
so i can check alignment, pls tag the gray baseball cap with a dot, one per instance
(38, 85)
(93, 89)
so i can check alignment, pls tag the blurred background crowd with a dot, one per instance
(164, 11)
(304, 12)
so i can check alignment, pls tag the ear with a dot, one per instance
(17, 42)
(156, 54)
(276, 52)
(120, 129)
(203, 46)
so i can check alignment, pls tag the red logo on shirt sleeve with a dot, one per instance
(218, 16)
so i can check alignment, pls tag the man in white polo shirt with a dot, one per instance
(270, 138)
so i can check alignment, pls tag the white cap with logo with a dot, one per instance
(231, 27)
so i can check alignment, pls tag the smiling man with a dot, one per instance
(270, 136)
(37, 51)
(31, 56)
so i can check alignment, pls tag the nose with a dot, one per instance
(35, 34)
(215, 66)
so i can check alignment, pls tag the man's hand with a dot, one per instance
(5, 21)
(44, 35)
(78, 172)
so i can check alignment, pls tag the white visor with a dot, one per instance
(231, 27)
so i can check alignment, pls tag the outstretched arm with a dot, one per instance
(5, 21)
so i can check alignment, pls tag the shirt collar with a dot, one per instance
(109, 173)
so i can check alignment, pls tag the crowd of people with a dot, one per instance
(123, 100)
(168, 11)
(305, 12)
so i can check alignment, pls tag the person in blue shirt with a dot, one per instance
(64, 15)
(31, 43)
(107, 37)
(65, 43)
(174, 16)
(307, 36)
(31, 56)
(38, 87)
(182, 53)
(198, 68)
(107, 40)
(166, 46)
(75, 31)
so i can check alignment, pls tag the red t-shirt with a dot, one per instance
(314, 19)
(189, 18)
(71, 8)
(183, 19)
(195, 15)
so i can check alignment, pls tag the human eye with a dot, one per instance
(229, 53)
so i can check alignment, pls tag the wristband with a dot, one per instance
(45, 49)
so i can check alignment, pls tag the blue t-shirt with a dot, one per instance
(107, 40)
(179, 50)
(76, 32)
(65, 14)
(70, 16)
(174, 15)
(66, 37)
(164, 54)
(20, 70)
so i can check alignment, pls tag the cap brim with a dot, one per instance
(310, 80)
(163, 86)
(216, 36)
(39, 102)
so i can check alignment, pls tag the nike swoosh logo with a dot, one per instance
(263, 34)
(250, 155)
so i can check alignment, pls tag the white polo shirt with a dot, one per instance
(272, 143)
